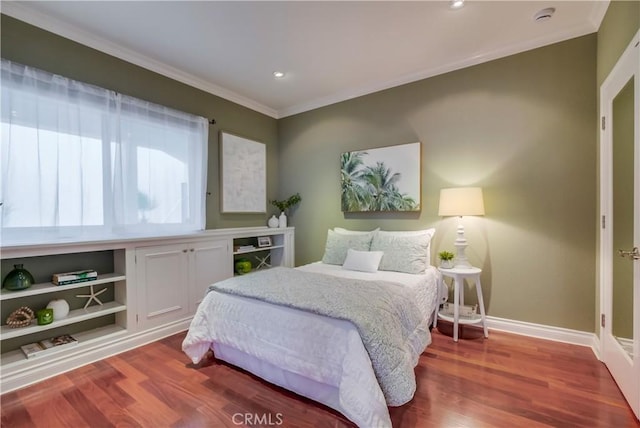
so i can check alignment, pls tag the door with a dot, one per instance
(210, 261)
(620, 236)
(162, 276)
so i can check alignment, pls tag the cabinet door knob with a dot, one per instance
(184, 251)
(192, 250)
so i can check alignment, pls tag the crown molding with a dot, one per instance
(598, 12)
(513, 49)
(30, 16)
(26, 14)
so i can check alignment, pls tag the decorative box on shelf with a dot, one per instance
(465, 311)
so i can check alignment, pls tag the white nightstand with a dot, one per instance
(459, 275)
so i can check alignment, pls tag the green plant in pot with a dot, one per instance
(284, 205)
(446, 259)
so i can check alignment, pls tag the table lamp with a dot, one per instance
(460, 201)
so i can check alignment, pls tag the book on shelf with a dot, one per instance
(47, 345)
(242, 248)
(86, 275)
(75, 281)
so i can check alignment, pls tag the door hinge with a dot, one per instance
(603, 123)
(136, 318)
(602, 323)
(604, 222)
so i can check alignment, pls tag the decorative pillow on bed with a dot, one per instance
(335, 251)
(403, 251)
(428, 232)
(364, 261)
(342, 231)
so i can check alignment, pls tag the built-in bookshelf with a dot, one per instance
(266, 248)
(135, 309)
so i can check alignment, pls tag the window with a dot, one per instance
(81, 162)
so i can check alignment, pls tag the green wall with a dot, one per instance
(33, 46)
(620, 24)
(522, 127)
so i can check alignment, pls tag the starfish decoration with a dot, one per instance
(92, 296)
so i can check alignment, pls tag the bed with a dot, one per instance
(319, 353)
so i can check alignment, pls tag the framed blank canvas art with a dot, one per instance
(243, 175)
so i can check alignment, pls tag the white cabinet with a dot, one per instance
(209, 263)
(162, 275)
(172, 279)
(154, 286)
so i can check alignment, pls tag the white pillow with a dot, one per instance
(403, 251)
(364, 261)
(335, 251)
(342, 231)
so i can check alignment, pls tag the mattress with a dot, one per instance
(330, 366)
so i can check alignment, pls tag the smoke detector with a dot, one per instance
(544, 14)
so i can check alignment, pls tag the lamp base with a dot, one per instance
(461, 261)
(461, 264)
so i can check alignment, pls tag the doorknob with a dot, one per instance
(633, 254)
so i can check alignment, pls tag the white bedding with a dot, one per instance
(330, 365)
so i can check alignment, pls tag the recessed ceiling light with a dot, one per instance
(278, 74)
(544, 14)
(456, 4)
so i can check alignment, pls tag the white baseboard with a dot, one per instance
(557, 334)
(20, 379)
(12, 380)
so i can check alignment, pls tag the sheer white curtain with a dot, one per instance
(82, 162)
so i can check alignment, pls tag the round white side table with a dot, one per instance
(459, 275)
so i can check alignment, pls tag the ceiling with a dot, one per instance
(330, 51)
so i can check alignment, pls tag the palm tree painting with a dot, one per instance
(381, 179)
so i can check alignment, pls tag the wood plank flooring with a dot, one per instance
(505, 381)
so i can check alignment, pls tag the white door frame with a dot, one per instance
(624, 369)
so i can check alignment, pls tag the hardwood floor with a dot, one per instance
(505, 381)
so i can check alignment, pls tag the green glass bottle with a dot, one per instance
(18, 279)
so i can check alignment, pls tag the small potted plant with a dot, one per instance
(284, 205)
(446, 259)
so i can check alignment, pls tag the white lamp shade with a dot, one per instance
(459, 201)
